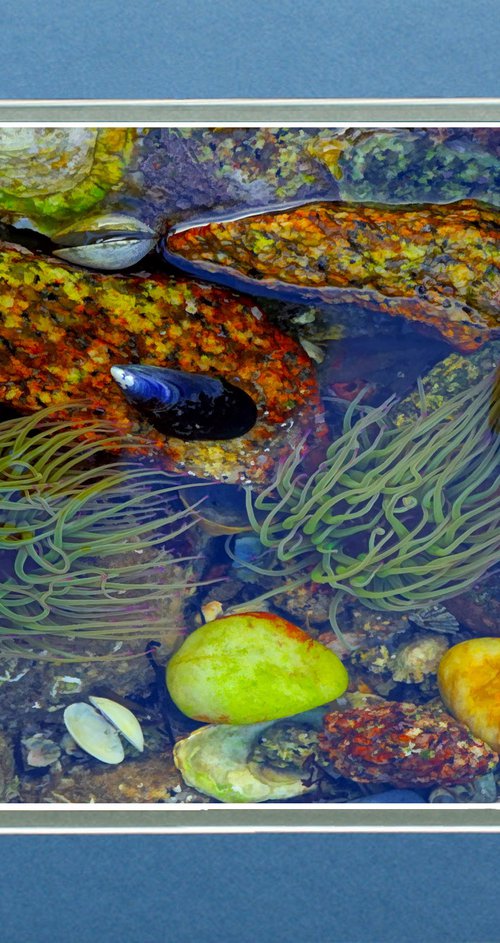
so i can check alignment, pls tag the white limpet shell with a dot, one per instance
(93, 733)
(122, 719)
(109, 242)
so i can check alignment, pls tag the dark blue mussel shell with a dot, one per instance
(187, 406)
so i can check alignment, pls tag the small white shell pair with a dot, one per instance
(98, 733)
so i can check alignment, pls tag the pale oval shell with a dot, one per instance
(93, 733)
(116, 251)
(122, 719)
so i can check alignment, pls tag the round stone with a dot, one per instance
(254, 667)
(469, 682)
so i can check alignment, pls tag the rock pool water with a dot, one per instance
(343, 285)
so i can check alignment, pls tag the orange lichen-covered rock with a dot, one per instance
(62, 329)
(403, 744)
(469, 682)
(436, 264)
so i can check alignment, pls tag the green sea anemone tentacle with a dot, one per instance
(393, 516)
(91, 547)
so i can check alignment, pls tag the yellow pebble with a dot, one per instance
(469, 682)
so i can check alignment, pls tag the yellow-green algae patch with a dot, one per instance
(55, 174)
(62, 329)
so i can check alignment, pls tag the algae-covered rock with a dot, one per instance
(406, 165)
(249, 668)
(403, 744)
(432, 264)
(75, 325)
(469, 682)
(55, 174)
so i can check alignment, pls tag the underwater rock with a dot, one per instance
(451, 375)
(244, 669)
(481, 789)
(479, 608)
(288, 743)
(392, 796)
(50, 175)
(412, 165)
(41, 752)
(143, 779)
(415, 660)
(362, 627)
(75, 325)
(469, 682)
(432, 264)
(9, 784)
(188, 170)
(403, 744)
(109, 242)
(219, 761)
(189, 406)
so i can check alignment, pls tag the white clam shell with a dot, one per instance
(93, 733)
(122, 719)
(114, 246)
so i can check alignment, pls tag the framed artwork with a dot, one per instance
(249, 464)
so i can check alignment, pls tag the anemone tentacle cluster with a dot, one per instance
(392, 516)
(86, 541)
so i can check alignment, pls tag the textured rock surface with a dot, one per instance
(433, 264)
(61, 330)
(405, 745)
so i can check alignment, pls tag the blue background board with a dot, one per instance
(248, 48)
(329, 888)
(234, 888)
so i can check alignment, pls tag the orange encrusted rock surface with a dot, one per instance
(434, 264)
(62, 329)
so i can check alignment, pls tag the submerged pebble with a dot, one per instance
(403, 796)
(254, 667)
(469, 682)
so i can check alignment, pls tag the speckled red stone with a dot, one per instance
(405, 745)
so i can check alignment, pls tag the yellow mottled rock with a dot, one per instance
(250, 668)
(469, 682)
